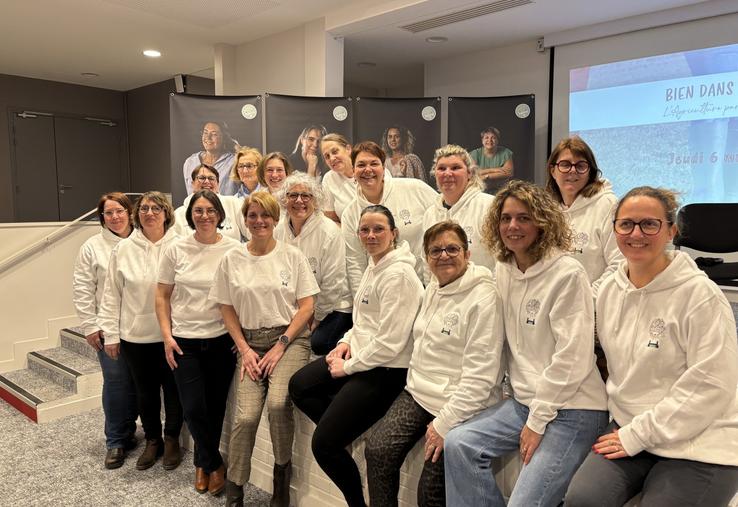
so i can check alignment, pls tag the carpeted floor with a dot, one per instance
(61, 464)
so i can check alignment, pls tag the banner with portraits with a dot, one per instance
(498, 132)
(296, 124)
(408, 130)
(208, 130)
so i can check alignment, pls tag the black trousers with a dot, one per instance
(151, 374)
(342, 410)
(203, 376)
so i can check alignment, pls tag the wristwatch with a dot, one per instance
(284, 340)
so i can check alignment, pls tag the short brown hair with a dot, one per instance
(118, 197)
(196, 172)
(369, 147)
(446, 226)
(263, 199)
(271, 156)
(243, 151)
(581, 149)
(553, 228)
(667, 198)
(160, 200)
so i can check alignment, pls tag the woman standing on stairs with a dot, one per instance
(90, 269)
(196, 343)
(128, 319)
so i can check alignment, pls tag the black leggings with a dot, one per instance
(342, 410)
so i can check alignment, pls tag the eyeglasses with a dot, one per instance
(648, 226)
(451, 250)
(115, 212)
(203, 179)
(248, 167)
(566, 166)
(293, 196)
(154, 209)
(211, 212)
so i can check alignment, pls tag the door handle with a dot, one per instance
(62, 188)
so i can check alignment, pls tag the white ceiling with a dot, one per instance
(60, 39)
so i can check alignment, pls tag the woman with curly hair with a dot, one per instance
(398, 142)
(559, 405)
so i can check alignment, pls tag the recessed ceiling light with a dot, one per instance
(436, 40)
(366, 65)
(89, 74)
(152, 53)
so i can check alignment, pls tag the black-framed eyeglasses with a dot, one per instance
(293, 196)
(451, 250)
(565, 166)
(248, 167)
(211, 212)
(648, 226)
(203, 179)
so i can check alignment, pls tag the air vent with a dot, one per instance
(455, 17)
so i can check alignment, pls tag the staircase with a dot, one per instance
(57, 382)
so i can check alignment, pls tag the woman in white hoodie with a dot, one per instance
(406, 198)
(462, 200)
(559, 405)
(90, 270)
(351, 388)
(670, 339)
(128, 321)
(318, 237)
(454, 369)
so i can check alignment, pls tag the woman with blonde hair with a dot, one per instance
(243, 175)
(273, 170)
(559, 403)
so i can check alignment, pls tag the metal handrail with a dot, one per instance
(17, 257)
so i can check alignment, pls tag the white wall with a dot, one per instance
(37, 290)
(512, 70)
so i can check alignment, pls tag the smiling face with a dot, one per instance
(369, 172)
(259, 222)
(638, 248)
(205, 217)
(212, 137)
(337, 157)
(310, 142)
(274, 174)
(116, 217)
(489, 141)
(571, 183)
(205, 180)
(300, 203)
(394, 139)
(452, 177)
(246, 167)
(517, 229)
(152, 222)
(376, 236)
(447, 268)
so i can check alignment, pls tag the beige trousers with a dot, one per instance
(250, 398)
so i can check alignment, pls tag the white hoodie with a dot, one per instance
(339, 191)
(672, 356)
(385, 306)
(594, 238)
(469, 212)
(455, 370)
(127, 309)
(407, 199)
(548, 313)
(90, 270)
(322, 243)
(233, 225)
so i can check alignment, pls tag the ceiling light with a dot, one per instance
(436, 40)
(366, 65)
(152, 53)
(89, 74)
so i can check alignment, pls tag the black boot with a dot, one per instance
(234, 494)
(281, 490)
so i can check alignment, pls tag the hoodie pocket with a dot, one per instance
(144, 326)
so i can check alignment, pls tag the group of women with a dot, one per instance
(416, 304)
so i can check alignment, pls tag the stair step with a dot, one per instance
(74, 339)
(62, 366)
(26, 390)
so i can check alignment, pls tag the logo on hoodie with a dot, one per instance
(532, 307)
(580, 241)
(365, 295)
(313, 264)
(405, 216)
(656, 332)
(285, 276)
(469, 230)
(449, 322)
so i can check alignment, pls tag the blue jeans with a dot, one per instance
(118, 400)
(470, 448)
(329, 331)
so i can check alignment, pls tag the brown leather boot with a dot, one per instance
(201, 480)
(172, 454)
(234, 494)
(281, 485)
(217, 481)
(154, 449)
